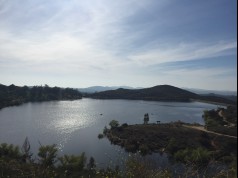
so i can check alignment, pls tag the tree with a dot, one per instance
(91, 165)
(26, 151)
(114, 124)
(48, 155)
(105, 130)
(146, 118)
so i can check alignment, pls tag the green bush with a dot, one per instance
(100, 136)
(137, 168)
(105, 130)
(173, 146)
(144, 149)
(114, 124)
(130, 147)
(47, 155)
(199, 156)
(72, 163)
(10, 151)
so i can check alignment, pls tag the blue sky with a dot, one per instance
(76, 43)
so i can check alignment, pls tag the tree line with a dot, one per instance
(14, 95)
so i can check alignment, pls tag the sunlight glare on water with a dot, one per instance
(71, 116)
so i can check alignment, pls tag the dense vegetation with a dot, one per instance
(222, 120)
(183, 144)
(14, 95)
(158, 93)
(17, 163)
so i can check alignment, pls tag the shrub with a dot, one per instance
(9, 151)
(105, 130)
(47, 155)
(114, 124)
(124, 125)
(199, 156)
(173, 146)
(91, 166)
(140, 168)
(100, 136)
(130, 147)
(144, 149)
(72, 163)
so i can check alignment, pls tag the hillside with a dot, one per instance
(161, 92)
(215, 92)
(94, 89)
(15, 95)
(158, 93)
(229, 97)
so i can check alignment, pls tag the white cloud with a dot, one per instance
(93, 40)
(78, 33)
(184, 52)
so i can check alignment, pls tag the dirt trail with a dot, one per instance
(204, 130)
(220, 113)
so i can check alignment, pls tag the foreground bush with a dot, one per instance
(199, 156)
(13, 165)
(72, 163)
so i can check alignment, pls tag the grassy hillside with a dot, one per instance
(222, 120)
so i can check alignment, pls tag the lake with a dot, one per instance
(75, 125)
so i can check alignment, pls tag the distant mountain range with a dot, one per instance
(159, 93)
(14, 95)
(216, 92)
(231, 95)
(95, 89)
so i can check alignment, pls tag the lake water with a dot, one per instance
(75, 125)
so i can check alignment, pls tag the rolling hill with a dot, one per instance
(158, 93)
(95, 89)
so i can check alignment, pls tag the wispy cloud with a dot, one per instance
(114, 40)
(213, 78)
(184, 52)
